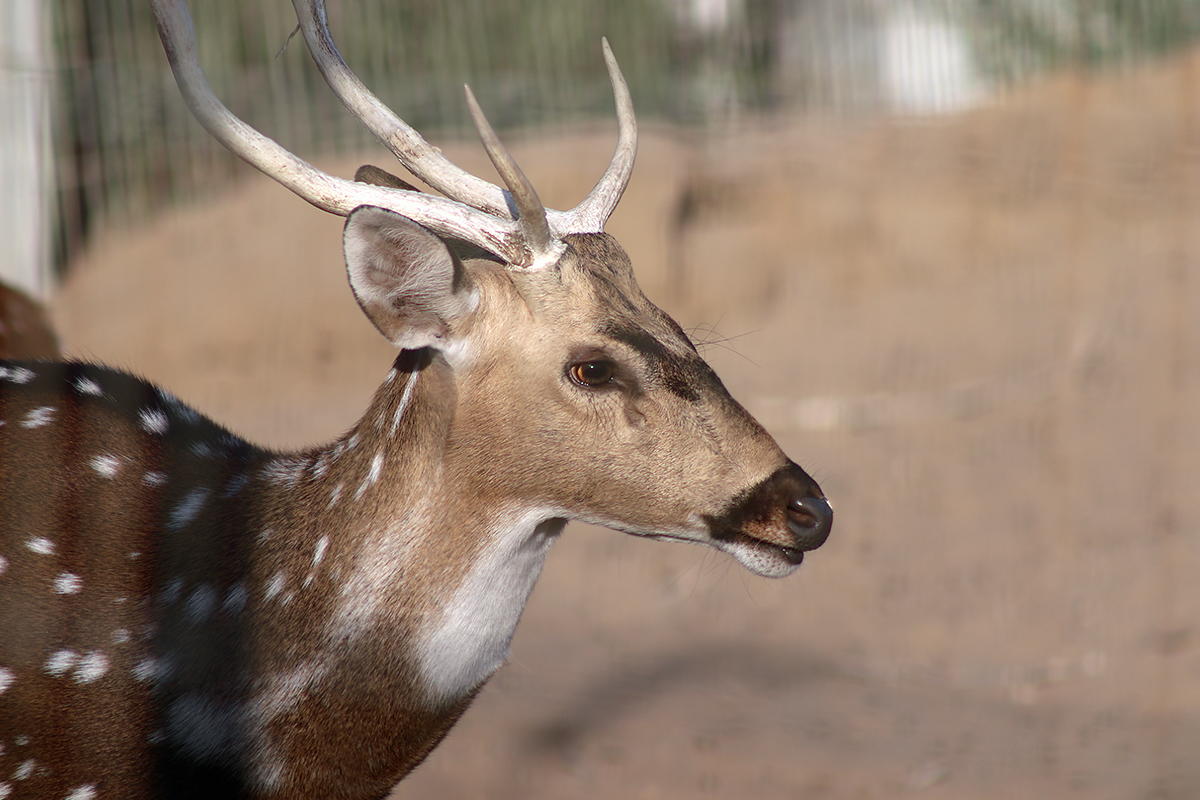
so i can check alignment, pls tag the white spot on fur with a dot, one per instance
(200, 603)
(5, 787)
(68, 583)
(121, 636)
(404, 400)
(235, 599)
(86, 792)
(39, 417)
(147, 669)
(154, 478)
(16, 374)
(469, 640)
(337, 451)
(40, 545)
(60, 661)
(7, 676)
(85, 385)
(284, 471)
(334, 496)
(153, 669)
(154, 421)
(24, 770)
(321, 466)
(91, 668)
(372, 475)
(106, 465)
(3, 565)
(318, 554)
(188, 509)
(274, 586)
(269, 775)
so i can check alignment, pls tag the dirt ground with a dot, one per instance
(979, 333)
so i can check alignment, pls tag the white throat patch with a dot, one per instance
(470, 641)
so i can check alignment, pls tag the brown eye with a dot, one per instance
(592, 373)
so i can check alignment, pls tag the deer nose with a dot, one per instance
(809, 519)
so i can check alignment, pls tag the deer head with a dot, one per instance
(576, 394)
(525, 305)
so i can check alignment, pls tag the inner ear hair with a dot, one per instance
(369, 173)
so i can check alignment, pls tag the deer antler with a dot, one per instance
(428, 163)
(473, 210)
(531, 214)
(410, 148)
(590, 215)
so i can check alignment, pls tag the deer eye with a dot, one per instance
(592, 374)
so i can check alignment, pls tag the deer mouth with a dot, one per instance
(792, 555)
(768, 559)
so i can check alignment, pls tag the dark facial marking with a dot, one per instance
(789, 490)
(669, 367)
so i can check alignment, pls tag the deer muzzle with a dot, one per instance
(770, 526)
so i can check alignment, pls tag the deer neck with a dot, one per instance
(378, 589)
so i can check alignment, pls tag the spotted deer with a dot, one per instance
(185, 614)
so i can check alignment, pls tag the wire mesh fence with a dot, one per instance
(123, 145)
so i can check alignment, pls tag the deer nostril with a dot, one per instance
(809, 519)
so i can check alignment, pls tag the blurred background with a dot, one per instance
(945, 251)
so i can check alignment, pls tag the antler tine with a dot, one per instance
(329, 193)
(427, 162)
(598, 206)
(530, 213)
(410, 148)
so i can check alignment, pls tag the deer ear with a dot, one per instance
(408, 284)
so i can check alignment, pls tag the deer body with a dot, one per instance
(184, 614)
(207, 548)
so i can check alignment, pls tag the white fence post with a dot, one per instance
(26, 189)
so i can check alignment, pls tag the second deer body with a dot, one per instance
(185, 614)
